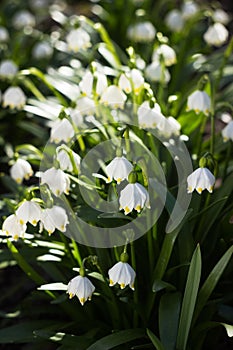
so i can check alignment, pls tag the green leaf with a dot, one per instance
(155, 340)
(53, 286)
(160, 285)
(118, 338)
(189, 300)
(169, 310)
(211, 282)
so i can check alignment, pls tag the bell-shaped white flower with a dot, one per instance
(199, 101)
(57, 180)
(220, 16)
(227, 132)
(86, 105)
(62, 130)
(189, 9)
(8, 69)
(65, 160)
(20, 170)
(133, 196)
(14, 97)
(169, 126)
(11, 226)
(78, 39)
(54, 218)
(123, 274)
(200, 180)
(82, 287)
(118, 169)
(141, 32)
(216, 35)
(28, 211)
(167, 53)
(174, 20)
(124, 84)
(137, 80)
(76, 117)
(86, 84)
(23, 19)
(155, 72)
(114, 97)
(149, 117)
(4, 35)
(42, 50)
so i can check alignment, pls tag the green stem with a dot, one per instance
(76, 252)
(136, 300)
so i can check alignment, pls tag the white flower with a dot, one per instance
(8, 69)
(216, 34)
(54, 218)
(227, 132)
(20, 170)
(14, 97)
(149, 117)
(57, 180)
(137, 80)
(86, 84)
(11, 226)
(141, 32)
(168, 54)
(42, 50)
(200, 180)
(78, 39)
(155, 72)
(118, 169)
(124, 84)
(199, 101)
(23, 19)
(62, 130)
(169, 126)
(174, 20)
(123, 274)
(133, 196)
(189, 9)
(4, 35)
(86, 105)
(76, 117)
(221, 16)
(64, 158)
(114, 97)
(28, 211)
(81, 287)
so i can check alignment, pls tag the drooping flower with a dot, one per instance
(189, 9)
(8, 69)
(57, 180)
(199, 101)
(118, 169)
(11, 226)
(155, 72)
(86, 84)
(64, 158)
(141, 32)
(169, 126)
(149, 117)
(114, 97)
(123, 274)
(201, 179)
(174, 20)
(86, 105)
(78, 39)
(133, 196)
(216, 35)
(4, 35)
(14, 97)
(23, 19)
(137, 80)
(124, 84)
(42, 50)
(28, 211)
(82, 287)
(20, 170)
(54, 218)
(227, 132)
(167, 53)
(62, 130)
(221, 16)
